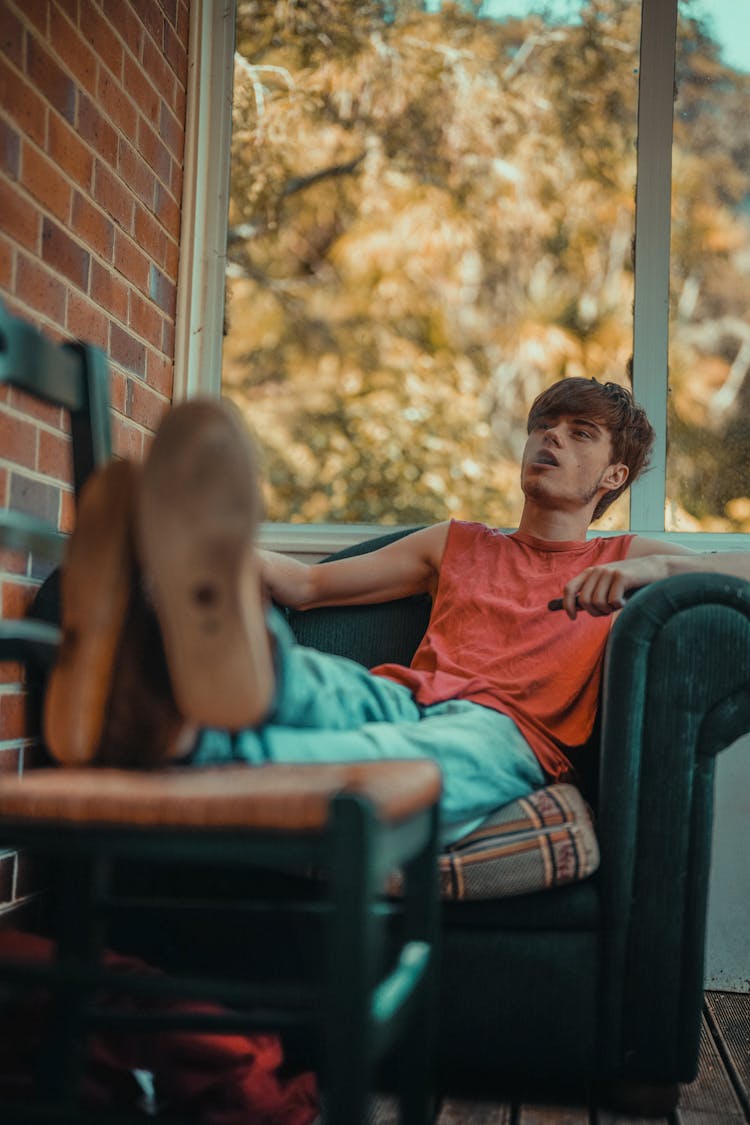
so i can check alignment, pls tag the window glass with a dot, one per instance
(431, 220)
(708, 465)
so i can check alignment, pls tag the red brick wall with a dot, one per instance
(92, 112)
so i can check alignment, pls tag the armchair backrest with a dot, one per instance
(371, 634)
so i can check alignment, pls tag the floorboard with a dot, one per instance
(720, 1095)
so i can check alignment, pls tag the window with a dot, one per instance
(553, 181)
(708, 466)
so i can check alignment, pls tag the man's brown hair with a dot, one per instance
(611, 406)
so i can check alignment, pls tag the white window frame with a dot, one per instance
(201, 281)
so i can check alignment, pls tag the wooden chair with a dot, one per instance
(349, 825)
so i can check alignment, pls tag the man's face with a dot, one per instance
(567, 463)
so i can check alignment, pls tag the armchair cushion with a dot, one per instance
(537, 842)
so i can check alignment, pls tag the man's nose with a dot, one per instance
(552, 435)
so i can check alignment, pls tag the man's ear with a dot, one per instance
(615, 477)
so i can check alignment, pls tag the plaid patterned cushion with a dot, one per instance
(540, 841)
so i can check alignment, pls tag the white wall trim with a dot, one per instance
(205, 200)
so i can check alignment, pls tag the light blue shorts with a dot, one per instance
(330, 709)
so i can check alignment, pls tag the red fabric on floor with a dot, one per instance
(213, 1079)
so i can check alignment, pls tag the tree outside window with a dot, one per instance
(431, 219)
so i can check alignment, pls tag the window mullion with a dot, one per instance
(652, 244)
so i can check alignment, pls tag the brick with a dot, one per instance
(127, 25)
(54, 456)
(131, 262)
(161, 290)
(175, 52)
(92, 226)
(169, 7)
(154, 151)
(13, 562)
(86, 321)
(179, 101)
(172, 131)
(175, 180)
(67, 511)
(96, 130)
(35, 497)
(69, 152)
(10, 150)
(160, 373)
(7, 259)
(145, 406)
(127, 439)
(172, 260)
(108, 291)
(63, 253)
(113, 196)
(145, 319)
(167, 344)
(12, 715)
(37, 11)
(22, 104)
(150, 235)
(150, 16)
(167, 211)
(155, 65)
(40, 289)
(118, 390)
(11, 36)
(104, 40)
(138, 85)
(72, 49)
(50, 79)
(45, 183)
(136, 173)
(183, 21)
(126, 350)
(115, 103)
(18, 440)
(16, 599)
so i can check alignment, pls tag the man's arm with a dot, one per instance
(408, 566)
(600, 590)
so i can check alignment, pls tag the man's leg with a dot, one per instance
(484, 759)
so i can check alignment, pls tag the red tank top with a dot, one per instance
(492, 640)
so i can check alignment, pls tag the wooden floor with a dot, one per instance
(720, 1094)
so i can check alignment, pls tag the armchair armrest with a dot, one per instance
(677, 691)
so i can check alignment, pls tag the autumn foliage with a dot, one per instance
(432, 218)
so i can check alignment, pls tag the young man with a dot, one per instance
(500, 690)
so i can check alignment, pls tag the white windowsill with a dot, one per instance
(318, 540)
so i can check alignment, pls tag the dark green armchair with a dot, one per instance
(600, 982)
(597, 984)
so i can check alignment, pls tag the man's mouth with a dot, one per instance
(544, 457)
